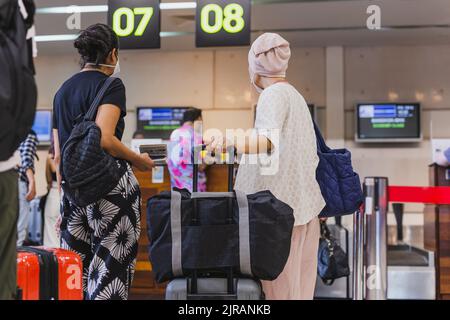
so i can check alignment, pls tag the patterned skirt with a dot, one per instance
(105, 234)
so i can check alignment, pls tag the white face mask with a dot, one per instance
(116, 67)
(257, 88)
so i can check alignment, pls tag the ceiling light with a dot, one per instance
(56, 37)
(104, 8)
(167, 34)
(69, 37)
(177, 5)
(72, 9)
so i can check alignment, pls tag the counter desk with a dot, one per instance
(437, 232)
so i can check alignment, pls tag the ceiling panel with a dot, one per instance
(304, 23)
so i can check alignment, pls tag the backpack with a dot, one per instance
(18, 92)
(88, 172)
(339, 184)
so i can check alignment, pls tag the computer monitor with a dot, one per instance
(388, 122)
(43, 126)
(159, 122)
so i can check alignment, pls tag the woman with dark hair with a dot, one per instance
(105, 233)
(179, 161)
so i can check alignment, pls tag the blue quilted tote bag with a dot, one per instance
(339, 184)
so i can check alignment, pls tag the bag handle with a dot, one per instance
(244, 233)
(203, 195)
(324, 231)
(321, 145)
(328, 282)
(175, 227)
(95, 104)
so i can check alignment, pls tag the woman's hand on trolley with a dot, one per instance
(248, 143)
(143, 162)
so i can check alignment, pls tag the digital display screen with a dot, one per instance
(159, 122)
(43, 126)
(222, 23)
(385, 121)
(136, 22)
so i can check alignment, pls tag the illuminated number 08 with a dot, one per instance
(223, 18)
(146, 12)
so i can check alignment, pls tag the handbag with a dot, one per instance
(339, 184)
(332, 260)
(254, 238)
(88, 172)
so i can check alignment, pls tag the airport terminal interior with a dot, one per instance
(375, 76)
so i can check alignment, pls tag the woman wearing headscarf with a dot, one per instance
(283, 122)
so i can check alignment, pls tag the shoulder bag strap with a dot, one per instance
(90, 115)
(321, 145)
(325, 231)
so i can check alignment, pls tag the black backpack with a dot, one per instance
(18, 92)
(88, 172)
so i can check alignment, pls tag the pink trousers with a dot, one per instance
(298, 279)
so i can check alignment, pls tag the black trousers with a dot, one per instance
(9, 208)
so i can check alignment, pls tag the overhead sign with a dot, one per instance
(136, 23)
(222, 23)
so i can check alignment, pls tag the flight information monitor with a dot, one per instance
(159, 122)
(43, 126)
(388, 122)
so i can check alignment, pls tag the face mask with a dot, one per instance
(116, 67)
(257, 88)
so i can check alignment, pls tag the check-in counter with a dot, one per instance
(437, 232)
(144, 285)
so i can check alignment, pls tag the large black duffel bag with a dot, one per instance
(255, 243)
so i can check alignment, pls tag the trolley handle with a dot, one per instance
(231, 151)
(195, 152)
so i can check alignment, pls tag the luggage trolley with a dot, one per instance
(213, 284)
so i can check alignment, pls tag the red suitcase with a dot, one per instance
(49, 274)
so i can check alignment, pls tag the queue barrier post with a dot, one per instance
(358, 266)
(370, 231)
(370, 242)
(375, 240)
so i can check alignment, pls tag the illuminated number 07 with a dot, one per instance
(223, 18)
(146, 12)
